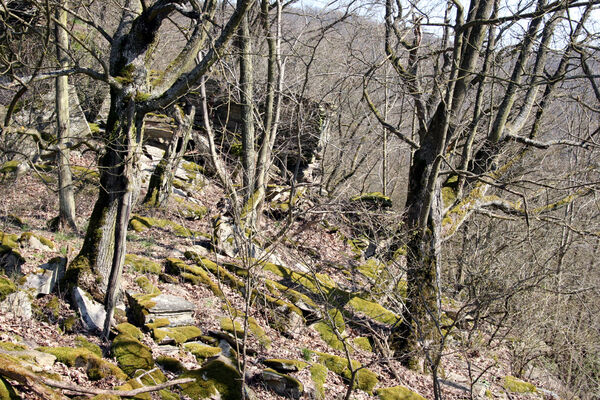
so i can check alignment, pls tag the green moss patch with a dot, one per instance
(171, 364)
(7, 392)
(373, 199)
(192, 273)
(144, 378)
(9, 346)
(96, 367)
(328, 335)
(6, 287)
(140, 224)
(131, 354)
(144, 283)
(278, 290)
(179, 334)
(365, 379)
(143, 264)
(9, 239)
(371, 269)
(398, 393)
(217, 377)
(86, 344)
(315, 284)
(363, 343)
(9, 167)
(26, 236)
(190, 210)
(130, 330)
(318, 374)
(202, 351)
(515, 385)
(281, 364)
(373, 310)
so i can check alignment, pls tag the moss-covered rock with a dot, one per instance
(363, 343)
(144, 283)
(283, 384)
(202, 351)
(365, 379)
(143, 264)
(515, 385)
(373, 200)
(86, 344)
(9, 346)
(9, 167)
(7, 392)
(6, 287)
(144, 378)
(178, 334)
(192, 273)
(171, 364)
(189, 210)
(398, 393)
(96, 367)
(131, 354)
(318, 374)
(217, 377)
(9, 239)
(140, 224)
(371, 268)
(284, 365)
(106, 397)
(373, 310)
(26, 237)
(130, 330)
(328, 335)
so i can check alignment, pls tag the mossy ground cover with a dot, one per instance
(216, 377)
(398, 393)
(363, 343)
(276, 362)
(131, 354)
(194, 274)
(516, 385)
(144, 283)
(202, 351)
(96, 367)
(365, 379)
(179, 334)
(318, 374)
(6, 287)
(142, 264)
(140, 224)
(130, 330)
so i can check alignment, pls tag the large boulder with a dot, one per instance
(147, 308)
(217, 379)
(18, 305)
(49, 274)
(91, 312)
(283, 385)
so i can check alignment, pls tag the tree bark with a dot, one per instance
(99, 263)
(66, 216)
(247, 102)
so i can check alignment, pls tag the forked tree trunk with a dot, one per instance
(117, 185)
(161, 181)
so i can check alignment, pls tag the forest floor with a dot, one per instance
(321, 258)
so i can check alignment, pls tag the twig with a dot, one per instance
(122, 393)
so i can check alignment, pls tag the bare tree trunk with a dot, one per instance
(246, 96)
(66, 216)
(161, 180)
